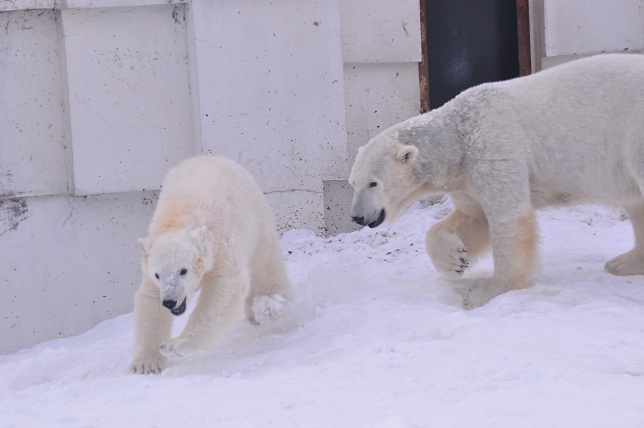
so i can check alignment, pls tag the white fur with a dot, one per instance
(570, 134)
(212, 230)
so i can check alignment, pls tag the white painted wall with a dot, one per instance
(271, 97)
(129, 96)
(94, 107)
(380, 32)
(582, 27)
(570, 29)
(68, 263)
(381, 50)
(98, 98)
(33, 129)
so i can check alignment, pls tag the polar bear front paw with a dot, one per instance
(267, 308)
(151, 364)
(448, 254)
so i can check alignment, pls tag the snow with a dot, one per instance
(375, 337)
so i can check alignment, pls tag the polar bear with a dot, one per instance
(567, 135)
(212, 229)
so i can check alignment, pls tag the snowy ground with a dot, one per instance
(378, 339)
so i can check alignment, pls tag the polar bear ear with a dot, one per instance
(200, 238)
(145, 245)
(406, 153)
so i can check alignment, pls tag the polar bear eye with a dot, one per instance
(156, 275)
(373, 184)
(183, 271)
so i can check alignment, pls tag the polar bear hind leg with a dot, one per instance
(631, 262)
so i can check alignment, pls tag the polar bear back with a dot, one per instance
(563, 121)
(588, 95)
(586, 129)
(211, 191)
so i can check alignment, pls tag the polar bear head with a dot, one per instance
(410, 160)
(176, 262)
(382, 179)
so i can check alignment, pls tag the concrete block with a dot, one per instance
(33, 138)
(380, 31)
(129, 96)
(378, 96)
(337, 207)
(68, 263)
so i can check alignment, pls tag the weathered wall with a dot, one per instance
(129, 96)
(68, 263)
(88, 127)
(33, 133)
(99, 98)
(565, 30)
(381, 50)
(271, 97)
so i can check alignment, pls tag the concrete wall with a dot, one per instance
(88, 125)
(565, 30)
(98, 98)
(271, 97)
(129, 96)
(381, 50)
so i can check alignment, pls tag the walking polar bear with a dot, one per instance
(212, 229)
(567, 135)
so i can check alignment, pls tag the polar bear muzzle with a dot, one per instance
(174, 309)
(366, 221)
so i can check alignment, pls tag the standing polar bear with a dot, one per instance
(571, 134)
(212, 229)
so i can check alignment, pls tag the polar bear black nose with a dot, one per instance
(170, 304)
(359, 220)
